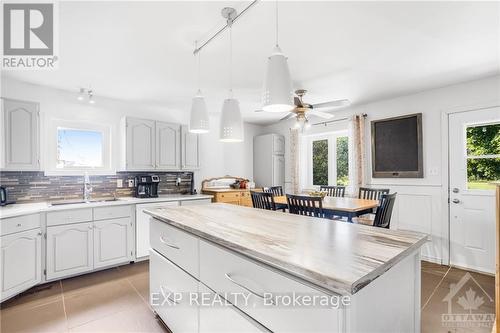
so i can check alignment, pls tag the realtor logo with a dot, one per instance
(473, 303)
(29, 35)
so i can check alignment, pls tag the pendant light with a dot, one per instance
(278, 92)
(198, 120)
(231, 124)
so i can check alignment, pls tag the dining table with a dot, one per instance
(339, 206)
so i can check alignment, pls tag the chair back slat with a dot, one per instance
(372, 193)
(263, 200)
(384, 211)
(305, 205)
(333, 191)
(275, 190)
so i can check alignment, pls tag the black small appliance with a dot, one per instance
(146, 186)
(3, 197)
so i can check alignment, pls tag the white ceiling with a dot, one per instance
(362, 51)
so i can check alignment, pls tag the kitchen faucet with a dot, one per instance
(87, 187)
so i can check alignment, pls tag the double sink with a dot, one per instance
(74, 202)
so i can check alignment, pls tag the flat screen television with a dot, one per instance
(397, 147)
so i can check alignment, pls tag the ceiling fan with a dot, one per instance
(302, 110)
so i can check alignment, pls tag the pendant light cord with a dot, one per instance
(231, 61)
(199, 68)
(276, 22)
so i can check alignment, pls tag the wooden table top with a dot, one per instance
(343, 204)
(340, 257)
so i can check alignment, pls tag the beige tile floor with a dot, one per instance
(116, 300)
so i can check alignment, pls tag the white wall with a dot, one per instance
(421, 203)
(217, 158)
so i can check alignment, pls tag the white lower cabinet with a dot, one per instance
(69, 249)
(112, 242)
(20, 262)
(223, 319)
(170, 288)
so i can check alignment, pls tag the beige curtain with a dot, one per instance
(295, 160)
(357, 159)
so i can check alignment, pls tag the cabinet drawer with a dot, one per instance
(69, 216)
(230, 274)
(19, 223)
(227, 197)
(170, 289)
(176, 245)
(113, 212)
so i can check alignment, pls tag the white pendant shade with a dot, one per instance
(198, 121)
(278, 93)
(231, 123)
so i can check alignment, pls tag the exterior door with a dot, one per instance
(112, 242)
(168, 146)
(474, 161)
(141, 139)
(22, 144)
(20, 262)
(69, 250)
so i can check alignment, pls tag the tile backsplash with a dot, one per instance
(25, 186)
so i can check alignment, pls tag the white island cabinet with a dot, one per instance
(335, 277)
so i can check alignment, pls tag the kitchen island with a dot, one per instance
(257, 260)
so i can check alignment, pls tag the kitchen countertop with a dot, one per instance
(337, 256)
(38, 207)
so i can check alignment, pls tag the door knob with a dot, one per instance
(455, 190)
(455, 201)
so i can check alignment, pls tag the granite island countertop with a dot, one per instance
(338, 256)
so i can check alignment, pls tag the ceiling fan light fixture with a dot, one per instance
(198, 120)
(278, 92)
(231, 124)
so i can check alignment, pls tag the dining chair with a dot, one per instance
(333, 191)
(275, 190)
(383, 215)
(305, 205)
(263, 200)
(371, 193)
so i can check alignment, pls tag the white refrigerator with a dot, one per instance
(269, 160)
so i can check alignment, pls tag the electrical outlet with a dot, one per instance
(130, 183)
(119, 183)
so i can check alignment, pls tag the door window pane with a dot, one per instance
(483, 140)
(342, 161)
(483, 156)
(79, 148)
(320, 162)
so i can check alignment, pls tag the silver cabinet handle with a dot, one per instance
(39, 233)
(163, 293)
(228, 276)
(162, 239)
(455, 201)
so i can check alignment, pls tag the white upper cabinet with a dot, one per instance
(168, 146)
(190, 150)
(21, 130)
(140, 144)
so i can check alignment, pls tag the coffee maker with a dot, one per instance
(146, 186)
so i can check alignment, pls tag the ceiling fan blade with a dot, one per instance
(288, 116)
(321, 114)
(331, 104)
(259, 110)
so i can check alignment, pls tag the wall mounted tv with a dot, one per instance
(397, 147)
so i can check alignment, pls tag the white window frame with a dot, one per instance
(51, 159)
(332, 156)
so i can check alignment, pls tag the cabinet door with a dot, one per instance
(69, 250)
(20, 262)
(278, 144)
(168, 146)
(170, 288)
(190, 150)
(278, 171)
(112, 242)
(22, 142)
(141, 140)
